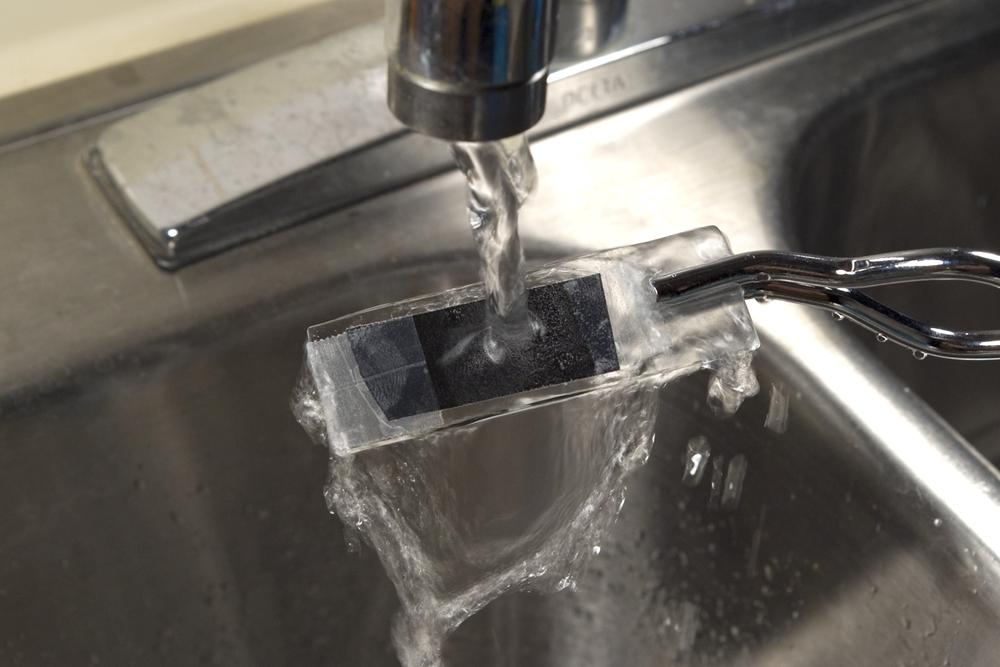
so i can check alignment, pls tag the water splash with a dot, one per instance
(462, 517)
(470, 513)
(733, 383)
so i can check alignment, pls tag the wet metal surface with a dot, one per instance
(161, 506)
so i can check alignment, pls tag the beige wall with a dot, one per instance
(42, 41)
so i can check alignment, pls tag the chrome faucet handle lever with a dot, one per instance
(833, 283)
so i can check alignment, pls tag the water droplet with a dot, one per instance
(718, 476)
(837, 316)
(919, 355)
(696, 461)
(777, 410)
(938, 522)
(596, 550)
(734, 381)
(733, 488)
(881, 338)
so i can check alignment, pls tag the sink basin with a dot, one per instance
(821, 564)
(174, 514)
(915, 167)
(162, 507)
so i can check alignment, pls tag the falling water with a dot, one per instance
(463, 516)
(468, 514)
(501, 175)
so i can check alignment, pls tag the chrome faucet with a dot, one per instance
(468, 70)
(476, 70)
(309, 131)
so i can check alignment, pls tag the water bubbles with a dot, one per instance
(881, 338)
(495, 350)
(919, 355)
(938, 522)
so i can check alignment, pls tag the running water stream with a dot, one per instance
(500, 175)
(469, 513)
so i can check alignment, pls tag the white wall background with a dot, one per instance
(43, 41)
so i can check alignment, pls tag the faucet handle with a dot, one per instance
(223, 151)
(308, 132)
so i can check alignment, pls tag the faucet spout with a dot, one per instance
(468, 70)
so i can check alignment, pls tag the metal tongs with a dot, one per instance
(833, 283)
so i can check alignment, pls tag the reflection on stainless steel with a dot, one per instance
(161, 506)
(584, 27)
(911, 166)
(830, 283)
(308, 132)
(197, 172)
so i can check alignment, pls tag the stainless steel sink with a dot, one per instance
(914, 165)
(161, 506)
